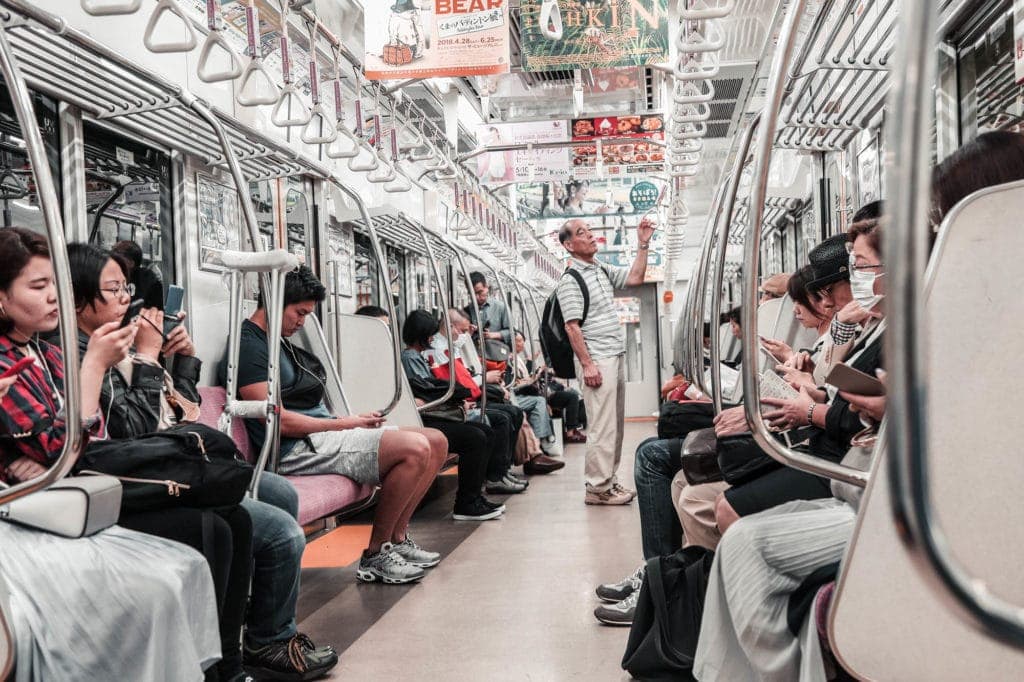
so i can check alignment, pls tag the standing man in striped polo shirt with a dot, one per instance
(599, 344)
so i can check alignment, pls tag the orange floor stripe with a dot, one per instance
(340, 547)
(641, 419)
(454, 471)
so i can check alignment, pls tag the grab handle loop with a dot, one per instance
(693, 92)
(148, 39)
(387, 173)
(215, 39)
(109, 9)
(353, 162)
(702, 11)
(289, 99)
(256, 68)
(319, 129)
(551, 20)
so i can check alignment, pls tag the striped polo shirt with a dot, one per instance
(604, 335)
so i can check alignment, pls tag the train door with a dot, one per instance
(128, 197)
(638, 313)
(18, 201)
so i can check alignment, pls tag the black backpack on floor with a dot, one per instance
(553, 340)
(663, 638)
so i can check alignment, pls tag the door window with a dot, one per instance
(18, 200)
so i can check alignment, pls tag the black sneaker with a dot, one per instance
(477, 510)
(493, 505)
(290, 659)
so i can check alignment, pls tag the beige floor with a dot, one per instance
(515, 600)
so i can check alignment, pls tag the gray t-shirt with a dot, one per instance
(602, 332)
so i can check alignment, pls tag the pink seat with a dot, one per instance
(320, 495)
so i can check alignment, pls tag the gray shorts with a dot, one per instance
(351, 453)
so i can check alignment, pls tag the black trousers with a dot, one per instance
(474, 443)
(570, 403)
(230, 562)
(506, 420)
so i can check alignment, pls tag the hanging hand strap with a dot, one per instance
(256, 68)
(215, 39)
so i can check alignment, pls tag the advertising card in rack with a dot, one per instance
(595, 34)
(538, 165)
(432, 38)
(635, 156)
(581, 198)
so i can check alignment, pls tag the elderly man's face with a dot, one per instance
(582, 242)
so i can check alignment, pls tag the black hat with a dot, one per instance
(830, 262)
(403, 6)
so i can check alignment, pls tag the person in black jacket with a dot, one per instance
(138, 396)
(146, 281)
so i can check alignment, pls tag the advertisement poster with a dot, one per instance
(573, 199)
(596, 34)
(612, 80)
(217, 205)
(429, 38)
(514, 166)
(620, 159)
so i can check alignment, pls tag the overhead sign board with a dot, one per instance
(524, 165)
(637, 155)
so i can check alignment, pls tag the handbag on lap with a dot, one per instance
(699, 457)
(73, 507)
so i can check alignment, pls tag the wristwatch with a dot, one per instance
(643, 246)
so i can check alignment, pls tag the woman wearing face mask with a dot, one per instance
(833, 424)
(50, 574)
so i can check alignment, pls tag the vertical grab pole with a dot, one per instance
(693, 345)
(436, 278)
(382, 265)
(904, 242)
(476, 316)
(751, 246)
(504, 300)
(49, 205)
(728, 206)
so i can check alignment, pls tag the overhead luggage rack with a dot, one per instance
(399, 229)
(840, 79)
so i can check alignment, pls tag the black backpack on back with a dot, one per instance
(553, 340)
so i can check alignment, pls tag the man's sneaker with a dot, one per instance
(623, 490)
(610, 496)
(493, 505)
(616, 592)
(416, 555)
(504, 486)
(388, 567)
(291, 659)
(477, 510)
(517, 479)
(618, 614)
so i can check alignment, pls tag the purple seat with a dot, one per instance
(320, 495)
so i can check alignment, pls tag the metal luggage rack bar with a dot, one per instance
(837, 84)
(403, 231)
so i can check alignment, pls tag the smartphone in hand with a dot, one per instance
(18, 367)
(846, 378)
(172, 306)
(134, 310)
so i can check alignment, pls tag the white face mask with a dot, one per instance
(862, 286)
(439, 342)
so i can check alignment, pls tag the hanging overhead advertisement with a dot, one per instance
(523, 165)
(576, 198)
(637, 156)
(593, 34)
(428, 38)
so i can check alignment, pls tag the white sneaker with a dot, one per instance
(616, 592)
(415, 555)
(387, 566)
(618, 614)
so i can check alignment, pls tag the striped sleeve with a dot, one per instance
(618, 276)
(570, 299)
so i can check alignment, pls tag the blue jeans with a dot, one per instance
(278, 543)
(536, 409)
(653, 471)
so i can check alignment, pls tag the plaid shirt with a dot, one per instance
(32, 420)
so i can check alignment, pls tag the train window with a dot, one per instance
(18, 198)
(299, 222)
(262, 195)
(341, 257)
(423, 293)
(396, 280)
(629, 316)
(367, 278)
(128, 197)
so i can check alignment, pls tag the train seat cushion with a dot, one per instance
(319, 495)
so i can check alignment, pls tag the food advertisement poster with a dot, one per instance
(633, 157)
(538, 165)
(578, 197)
(429, 38)
(594, 34)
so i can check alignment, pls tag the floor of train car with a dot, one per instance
(513, 598)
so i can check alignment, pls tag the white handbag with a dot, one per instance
(73, 507)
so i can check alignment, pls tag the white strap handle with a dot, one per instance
(172, 7)
(701, 11)
(260, 261)
(260, 96)
(109, 9)
(551, 20)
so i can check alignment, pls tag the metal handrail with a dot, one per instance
(904, 242)
(728, 206)
(49, 205)
(382, 266)
(693, 340)
(436, 275)
(751, 388)
(459, 250)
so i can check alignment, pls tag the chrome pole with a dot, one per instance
(751, 388)
(436, 276)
